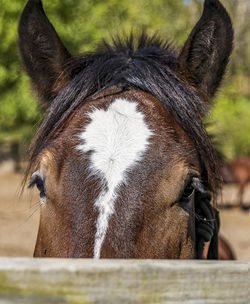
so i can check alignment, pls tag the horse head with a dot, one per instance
(122, 161)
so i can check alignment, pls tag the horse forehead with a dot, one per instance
(117, 136)
(135, 117)
(132, 106)
(128, 128)
(123, 123)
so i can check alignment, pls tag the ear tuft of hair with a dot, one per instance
(206, 52)
(42, 51)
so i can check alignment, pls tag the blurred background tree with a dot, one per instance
(82, 24)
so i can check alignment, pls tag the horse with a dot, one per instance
(226, 251)
(238, 171)
(122, 161)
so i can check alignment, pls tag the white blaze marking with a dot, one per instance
(117, 138)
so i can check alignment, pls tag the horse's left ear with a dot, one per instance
(42, 51)
(205, 54)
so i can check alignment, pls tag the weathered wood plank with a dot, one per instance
(59, 281)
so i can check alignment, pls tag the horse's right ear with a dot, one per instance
(42, 51)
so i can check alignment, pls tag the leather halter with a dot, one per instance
(206, 225)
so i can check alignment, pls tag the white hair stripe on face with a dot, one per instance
(117, 138)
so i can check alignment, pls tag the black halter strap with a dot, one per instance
(206, 225)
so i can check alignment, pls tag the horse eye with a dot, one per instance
(188, 191)
(38, 180)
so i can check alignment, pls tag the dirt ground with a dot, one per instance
(19, 218)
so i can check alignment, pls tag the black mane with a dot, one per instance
(146, 63)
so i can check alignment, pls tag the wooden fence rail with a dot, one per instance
(60, 281)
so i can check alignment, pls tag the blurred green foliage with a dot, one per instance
(82, 24)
